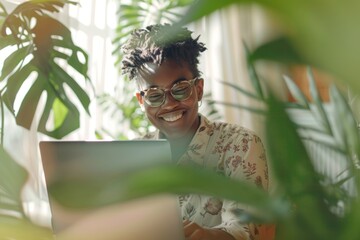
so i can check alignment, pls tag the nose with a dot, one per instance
(170, 102)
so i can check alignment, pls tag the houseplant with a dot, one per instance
(35, 74)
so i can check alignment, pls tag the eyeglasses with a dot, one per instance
(180, 91)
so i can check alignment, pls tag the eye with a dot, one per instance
(154, 94)
(180, 88)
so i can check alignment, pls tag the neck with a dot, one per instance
(180, 145)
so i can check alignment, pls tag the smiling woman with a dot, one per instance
(162, 57)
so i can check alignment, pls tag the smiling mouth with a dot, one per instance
(173, 117)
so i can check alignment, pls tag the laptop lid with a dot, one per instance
(82, 159)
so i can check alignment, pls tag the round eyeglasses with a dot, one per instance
(180, 91)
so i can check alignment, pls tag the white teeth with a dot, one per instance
(172, 117)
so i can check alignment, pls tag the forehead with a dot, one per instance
(164, 75)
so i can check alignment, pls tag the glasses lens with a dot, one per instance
(181, 90)
(154, 97)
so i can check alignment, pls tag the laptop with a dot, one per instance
(154, 217)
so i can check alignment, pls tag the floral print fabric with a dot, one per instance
(233, 151)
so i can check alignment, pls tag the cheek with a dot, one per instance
(150, 112)
(192, 102)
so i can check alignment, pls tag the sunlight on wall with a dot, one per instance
(92, 24)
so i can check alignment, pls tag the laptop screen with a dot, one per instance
(80, 159)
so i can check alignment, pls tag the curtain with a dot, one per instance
(225, 33)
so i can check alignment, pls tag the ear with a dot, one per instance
(200, 88)
(140, 100)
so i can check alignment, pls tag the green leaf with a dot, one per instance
(321, 113)
(102, 191)
(280, 50)
(202, 8)
(12, 180)
(300, 182)
(351, 230)
(41, 6)
(60, 111)
(7, 41)
(28, 106)
(61, 77)
(70, 121)
(13, 61)
(296, 93)
(14, 83)
(254, 78)
(345, 122)
(22, 229)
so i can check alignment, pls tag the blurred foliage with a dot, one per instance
(22, 229)
(129, 116)
(14, 224)
(323, 34)
(12, 179)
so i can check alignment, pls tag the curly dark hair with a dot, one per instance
(159, 42)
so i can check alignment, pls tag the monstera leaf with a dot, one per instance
(41, 51)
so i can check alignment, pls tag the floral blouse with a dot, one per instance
(235, 152)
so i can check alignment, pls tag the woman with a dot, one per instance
(164, 65)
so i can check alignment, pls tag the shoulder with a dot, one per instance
(224, 135)
(235, 132)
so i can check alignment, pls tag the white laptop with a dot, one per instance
(152, 218)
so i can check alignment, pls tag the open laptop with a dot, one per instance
(153, 218)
